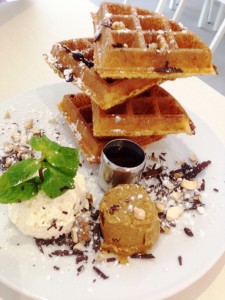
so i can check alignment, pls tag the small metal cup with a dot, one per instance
(122, 161)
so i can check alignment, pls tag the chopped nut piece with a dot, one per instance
(153, 157)
(174, 213)
(16, 136)
(180, 162)
(8, 162)
(177, 175)
(160, 206)
(74, 235)
(99, 257)
(169, 185)
(35, 131)
(26, 155)
(197, 198)
(193, 157)
(176, 196)
(7, 115)
(139, 213)
(118, 25)
(162, 43)
(166, 229)
(29, 124)
(24, 140)
(8, 147)
(189, 184)
(79, 246)
(89, 197)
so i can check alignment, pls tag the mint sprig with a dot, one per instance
(52, 173)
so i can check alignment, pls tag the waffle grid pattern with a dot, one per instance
(73, 61)
(77, 110)
(133, 42)
(155, 112)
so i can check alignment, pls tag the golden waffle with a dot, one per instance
(154, 112)
(77, 110)
(73, 60)
(131, 42)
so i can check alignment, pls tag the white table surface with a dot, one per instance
(28, 28)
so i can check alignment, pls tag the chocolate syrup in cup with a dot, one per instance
(122, 161)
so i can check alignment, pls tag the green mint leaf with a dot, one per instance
(65, 159)
(55, 182)
(21, 192)
(57, 168)
(19, 172)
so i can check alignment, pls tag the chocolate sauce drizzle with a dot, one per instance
(79, 56)
(168, 70)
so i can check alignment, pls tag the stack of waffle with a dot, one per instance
(119, 72)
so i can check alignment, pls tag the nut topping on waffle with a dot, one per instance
(139, 43)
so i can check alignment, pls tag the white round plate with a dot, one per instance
(25, 269)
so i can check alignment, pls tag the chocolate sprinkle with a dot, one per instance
(117, 45)
(190, 172)
(180, 260)
(111, 259)
(81, 258)
(80, 269)
(96, 237)
(188, 231)
(62, 253)
(152, 172)
(53, 225)
(100, 273)
(142, 255)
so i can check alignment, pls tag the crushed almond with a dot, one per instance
(8, 147)
(193, 157)
(139, 213)
(189, 184)
(160, 205)
(7, 115)
(174, 212)
(16, 136)
(35, 131)
(8, 162)
(162, 43)
(177, 175)
(118, 25)
(176, 196)
(29, 124)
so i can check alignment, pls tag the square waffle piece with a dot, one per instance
(131, 42)
(73, 61)
(77, 111)
(155, 112)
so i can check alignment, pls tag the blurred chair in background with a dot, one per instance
(205, 16)
(220, 15)
(219, 25)
(218, 37)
